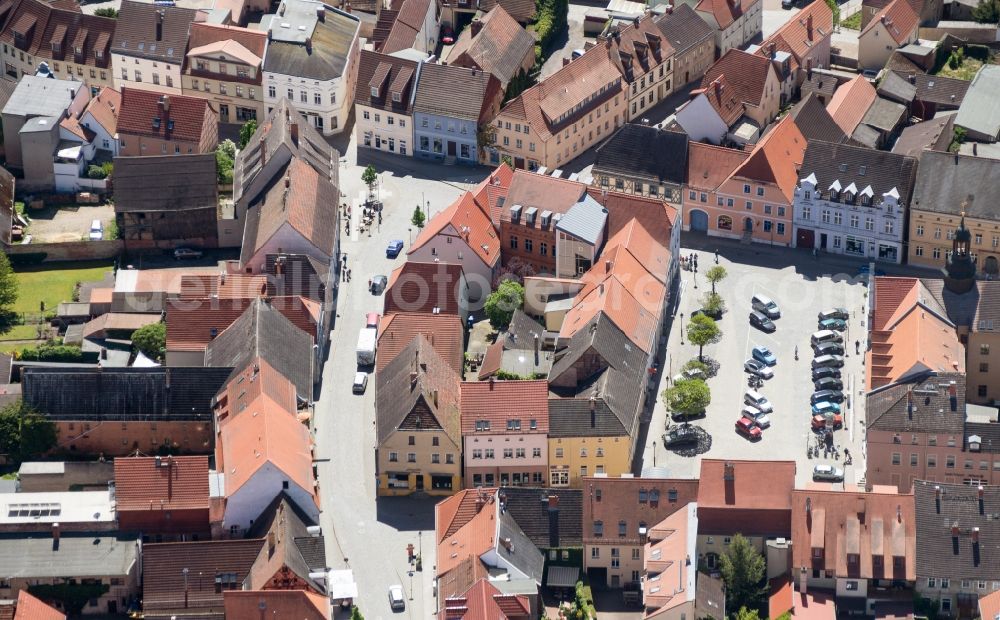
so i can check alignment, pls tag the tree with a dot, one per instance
(8, 293)
(515, 269)
(247, 131)
(987, 12)
(713, 304)
(24, 433)
(688, 397)
(716, 274)
(370, 177)
(356, 613)
(702, 330)
(151, 340)
(107, 12)
(225, 156)
(747, 614)
(418, 218)
(502, 303)
(836, 11)
(743, 572)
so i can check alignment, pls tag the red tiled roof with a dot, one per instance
(424, 287)
(746, 74)
(850, 102)
(899, 19)
(500, 47)
(628, 499)
(614, 298)
(483, 601)
(500, 401)
(989, 605)
(184, 121)
(725, 11)
(258, 381)
(745, 489)
(104, 108)
(291, 604)
(776, 158)
(167, 483)
(223, 286)
(465, 526)
(255, 41)
(492, 188)
(190, 325)
(464, 218)
(543, 192)
(709, 166)
(794, 36)
(53, 23)
(723, 98)
(31, 608)
(444, 332)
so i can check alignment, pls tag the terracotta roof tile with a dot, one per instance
(477, 100)
(53, 23)
(500, 46)
(521, 10)
(989, 605)
(899, 19)
(683, 28)
(745, 73)
(794, 36)
(31, 608)
(723, 98)
(168, 483)
(614, 298)
(491, 189)
(422, 287)
(191, 326)
(105, 107)
(740, 503)
(253, 41)
(482, 601)
(850, 102)
(225, 286)
(725, 11)
(407, 25)
(251, 385)
(500, 401)
(444, 331)
(709, 166)
(378, 71)
(470, 529)
(543, 192)
(142, 115)
(628, 499)
(292, 604)
(466, 218)
(776, 158)
(135, 34)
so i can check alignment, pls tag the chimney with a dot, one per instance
(607, 266)
(165, 103)
(913, 78)
(809, 27)
(480, 502)
(476, 26)
(982, 503)
(270, 544)
(55, 535)
(729, 472)
(809, 505)
(288, 180)
(553, 521)
(975, 151)
(309, 44)
(263, 151)
(413, 379)
(434, 397)
(772, 50)
(718, 89)
(320, 13)
(937, 498)
(975, 535)
(293, 131)
(159, 25)
(492, 382)
(536, 348)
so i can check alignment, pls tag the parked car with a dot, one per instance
(828, 473)
(759, 368)
(748, 428)
(576, 54)
(825, 335)
(865, 269)
(394, 248)
(828, 383)
(835, 361)
(396, 599)
(819, 422)
(824, 406)
(834, 324)
(360, 383)
(833, 396)
(680, 435)
(762, 419)
(825, 371)
(764, 305)
(763, 354)
(758, 400)
(690, 373)
(447, 35)
(181, 253)
(378, 284)
(96, 230)
(828, 348)
(787, 4)
(371, 320)
(834, 313)
(762, 323)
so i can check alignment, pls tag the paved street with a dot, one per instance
(801, 290)
(344, 423)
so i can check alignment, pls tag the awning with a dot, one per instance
(562, 576)
(340, 584)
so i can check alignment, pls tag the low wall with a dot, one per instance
(71, 250)
(967, 31)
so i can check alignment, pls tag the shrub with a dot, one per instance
(151, 339)
(96, 172)
(51, 352)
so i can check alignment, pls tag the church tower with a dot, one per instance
(960, 265)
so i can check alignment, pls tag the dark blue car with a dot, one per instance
(394, 248)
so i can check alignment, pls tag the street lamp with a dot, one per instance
(410, 232)
(682, 328)
(410, 573)
(654, 453)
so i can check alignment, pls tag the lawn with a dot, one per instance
(853, 22)
(53, 283)
(965, 71)
(21, 332)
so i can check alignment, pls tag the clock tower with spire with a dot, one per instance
(960, 265)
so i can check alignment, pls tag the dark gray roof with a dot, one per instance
(922, 405)
(331, 41)
(521, 552)
(80, 554)
(821, 84)
(844, 163)
(262, 331)
(530, 509)
(947, 180)
(939, 553)
(301, 274)
(586, 220)
(988, 433)
(894, 86)
(815, 123)
(644, 152)
(286, 519)
(935, 134)
(884, 115)
(39, 96)
(500, 46)
(180, 394)
(454, 92)
(683, 29)
(947, 92)
(388, 69)
(135, 32)
(166, 183)
(979, 111)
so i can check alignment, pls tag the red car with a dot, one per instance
(819, 422)
(447, 35)
(748, 428)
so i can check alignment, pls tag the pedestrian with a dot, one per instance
(696, 261)
(857, 346)
(348, 275)
(369, 284)
(716, 256)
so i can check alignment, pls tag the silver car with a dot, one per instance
(828, 473)
(759, 368)
(397, 601)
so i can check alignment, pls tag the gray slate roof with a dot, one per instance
(935, 134)
(166, 183)
(645, 152)
(306, 553)
(939, 554)
(262, 331)
(523, 554)
(946, 180)
(123, 393)
(135, 32)
(79, 555)
(894, 86)
(884, 115)
(889, 408)
(530, 509)
(814, 121)
(454, 92)
(331, 40)
(947, 92)
(585, 220)
(683, 29)
(979, 111)
(882, 170)
(39, 96)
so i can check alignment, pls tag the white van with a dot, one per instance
(763, 304)
(96, 230)
(826, 335)
(758, 400)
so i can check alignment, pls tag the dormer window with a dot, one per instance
(56, 47)
(834, 195)
(170, 125)
(866, 200)
(99, 54)
(156, 123)
(374, 91)
(396, 97)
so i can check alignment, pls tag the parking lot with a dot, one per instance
(53, 224)
(801, 290)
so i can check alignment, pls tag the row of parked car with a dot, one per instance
(828, 359)
(755, 415)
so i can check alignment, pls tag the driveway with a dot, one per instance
(572, 40)
(68, 223)
(801, 289)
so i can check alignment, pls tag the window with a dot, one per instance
(477, 454)
(746, 188)
(411, 441)
(950, 461)
(559, 453)
(826, 216)
(936, 253)
(979, 241)
(981, 391)
(513, 243)
(366, 115)
(896, 458)
(583, 452)
(914, 459)
(519, 453)
(394, 457)
(869, 223)
(984, 367)
(703, 197)
(837, 218)
(692, 195)
(854, 221)
(636, 553)
(781, 228)
(529, 245)
(945, 603)
(411, 457)
(598, 529)
(435, 458)
(303, 96)
(378, 117)
(291, 95)
(888, 227)
(543, 248)
(851, 586)
(932, 460)
(595, 553)
(919, 250)
(488, 453)
(317, 100)
(622, 529)
(984, 349)
(806, 213)
(920, 231)
(402, 122)
(508, 453)
(945, 583)
(536, 452)
(749, 205)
